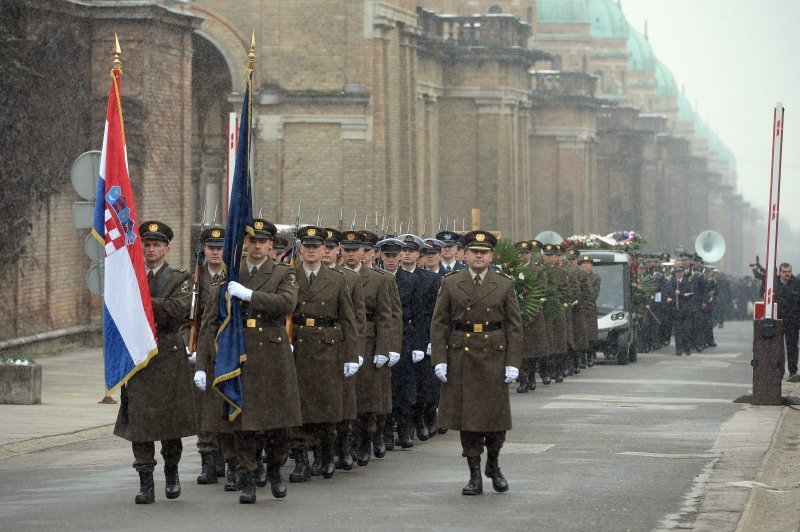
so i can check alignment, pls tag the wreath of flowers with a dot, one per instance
(581, 241)
(621, 240)
(526, 285)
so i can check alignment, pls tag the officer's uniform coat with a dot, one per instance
(356, 294)
(536, 334)
(269, 384)
(404, 385)
(558, 323)
(475, 396)
(394, 342)
(578, 316)
(157, 402)
(378, 338)
(321, 351)
(427, 382)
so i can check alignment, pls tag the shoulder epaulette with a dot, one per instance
(181, 270)
(340, 272)
(451, 273)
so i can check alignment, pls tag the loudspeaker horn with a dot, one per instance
(710, 245)
(549, 237)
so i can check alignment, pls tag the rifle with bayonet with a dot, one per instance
(194, 315)
(293, 262)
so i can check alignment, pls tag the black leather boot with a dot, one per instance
(208, 474)
(219, 463)
(499, 482)
(173, 488)
(421, 428)
(582, 360)
(590, 359)
(363, 449)
(276, 484)
(231, 476)
(146, 493)
(378, 445)
(576, 364)
(302, 471)
(404, 434)
(248, 494)
(523, 384)
(475, 484)
(261, 472)
(345, 460)
(328, 467)
(430, 421)
(316, 465)
(388, 435)
(544, 371)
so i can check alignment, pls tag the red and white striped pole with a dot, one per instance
(774, 211)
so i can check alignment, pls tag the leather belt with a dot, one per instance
(486, 326)
(314, 322)
(253, 322)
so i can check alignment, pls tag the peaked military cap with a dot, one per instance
(411, 241)
(665, 257)
(524, 246)
(434, 244)
(573, 253)
(261, 228)
(332, 236)
(551, 249)
(351, 240)
(450, 238)
(370, 240)
(390, 245)
(156, 231)
(213, 236)
(586, 258)
(480, 240)
(280, 243)
(312, 235)
(536, 245)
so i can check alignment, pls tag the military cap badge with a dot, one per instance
(215, 233)
(311, 232)
(259, 225)
(480, 237)
(153, 227)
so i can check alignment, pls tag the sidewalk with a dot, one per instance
(72, 386)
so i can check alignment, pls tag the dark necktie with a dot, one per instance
(215, 277)
(253, 271)
(477, 280)
(312, 277)
(150, 283)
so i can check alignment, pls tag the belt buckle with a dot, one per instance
(478, 328)
(310, 322)
(250, 323)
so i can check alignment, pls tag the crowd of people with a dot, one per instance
(365, 345)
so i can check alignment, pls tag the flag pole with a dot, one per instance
(107, 399)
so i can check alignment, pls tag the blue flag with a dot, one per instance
(230, 336)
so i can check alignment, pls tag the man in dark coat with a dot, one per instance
(476, 335)
(787, 295)
(157, 402)
(683, 311)
(268, 291)
(589, 306)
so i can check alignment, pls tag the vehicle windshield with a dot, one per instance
(612, 287)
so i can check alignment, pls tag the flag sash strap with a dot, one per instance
(229, 341)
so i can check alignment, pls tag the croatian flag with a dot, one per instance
(129, 332)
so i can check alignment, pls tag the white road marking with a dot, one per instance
(644, 399)
(668, 455)
(598, 406)
(582, 380)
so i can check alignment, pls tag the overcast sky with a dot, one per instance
(736, 59)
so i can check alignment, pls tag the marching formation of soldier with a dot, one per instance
(683, 303)
(366, 345)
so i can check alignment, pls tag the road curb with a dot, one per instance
(11, 450)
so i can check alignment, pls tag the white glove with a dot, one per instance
(360, 361)
(393, 358)
(441, 371)
(200, 380)
(416, 356)
(574, 302)
(237, 290)
(380, 360)
(511, 374)
(350, 369)
(428, 351)
(191, 357)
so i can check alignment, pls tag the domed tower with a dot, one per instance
(563, 29)
(609, 57)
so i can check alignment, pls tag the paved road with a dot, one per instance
(614, 448)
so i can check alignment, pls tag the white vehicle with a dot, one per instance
(616, 326)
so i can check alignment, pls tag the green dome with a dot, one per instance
(574, 11)
(685, 111)
(607, 20)
(665, 81)
(640, 53)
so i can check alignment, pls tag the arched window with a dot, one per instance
(495, 10)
